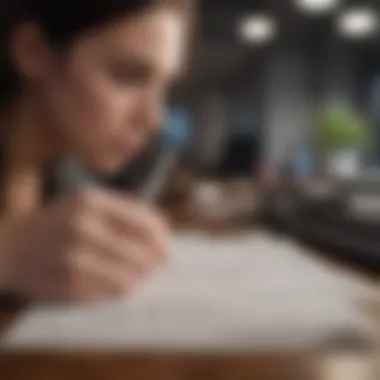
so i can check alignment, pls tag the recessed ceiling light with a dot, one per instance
(317, 6)
(358, 23)
(257, 29)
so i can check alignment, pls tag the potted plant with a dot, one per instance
(342, 136)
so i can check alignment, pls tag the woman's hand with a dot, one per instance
(89, 246)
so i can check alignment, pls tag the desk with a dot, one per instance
(267, 366)
(148, 367)
(83, 366)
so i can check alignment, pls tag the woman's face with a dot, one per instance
(106, 93)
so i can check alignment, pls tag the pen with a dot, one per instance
(173, 140)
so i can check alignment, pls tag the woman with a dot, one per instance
(85, 77)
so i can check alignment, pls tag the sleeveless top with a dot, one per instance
(65, 176)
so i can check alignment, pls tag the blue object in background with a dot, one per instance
(301, 162)
(176, 131)
(304, 164)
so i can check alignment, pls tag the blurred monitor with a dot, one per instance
(241, 157)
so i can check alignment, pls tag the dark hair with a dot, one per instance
(62, 21)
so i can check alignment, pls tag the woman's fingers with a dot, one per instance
(87, 246)
(135, 219)
(92, 276)
(123, 249)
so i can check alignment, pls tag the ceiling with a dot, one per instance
(222, 58)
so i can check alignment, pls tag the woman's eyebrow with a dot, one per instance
(147, 65)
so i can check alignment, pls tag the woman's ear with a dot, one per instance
(29, 52)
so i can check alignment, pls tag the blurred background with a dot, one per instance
(263, 73)
(287, 87)
(282, 98)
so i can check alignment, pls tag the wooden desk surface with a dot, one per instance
(115, 366)
(42, 365)
(147, 367)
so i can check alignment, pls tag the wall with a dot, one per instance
(211, 128)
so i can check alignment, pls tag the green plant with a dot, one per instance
(339, 127)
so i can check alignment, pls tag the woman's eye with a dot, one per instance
(129, 76)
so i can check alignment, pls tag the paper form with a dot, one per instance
(243, 292)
